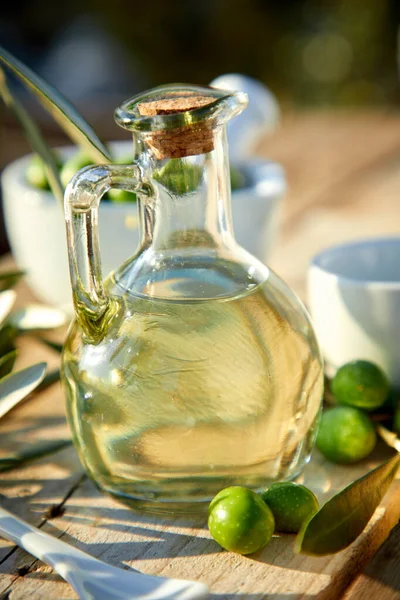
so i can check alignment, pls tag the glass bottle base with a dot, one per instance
(183, 497)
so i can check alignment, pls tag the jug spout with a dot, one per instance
(93, 308)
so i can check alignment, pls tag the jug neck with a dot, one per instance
(191, 205)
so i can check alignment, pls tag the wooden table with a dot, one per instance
(344, 182)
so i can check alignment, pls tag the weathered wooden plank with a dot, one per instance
(54, 476)
(361, 205)
(182, 547)
(41, 417)
(320, 150)
(24, 488)
(381, 577)
(344, 182)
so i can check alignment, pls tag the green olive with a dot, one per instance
(179, 177)
(121, 196)
(124, 159)
(238, 180)
(396, 421)
(240, 521)
(291, 504)
(361, 384)
(76, 162)
(36, 173)
(346, 435)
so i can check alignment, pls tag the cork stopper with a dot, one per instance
(196, 138)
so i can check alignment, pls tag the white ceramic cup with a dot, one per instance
(354, 299)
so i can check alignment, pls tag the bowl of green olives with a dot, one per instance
(35, 221)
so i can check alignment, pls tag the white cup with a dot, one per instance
(261, 117)
(354, 299)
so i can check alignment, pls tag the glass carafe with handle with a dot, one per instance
(193, 366)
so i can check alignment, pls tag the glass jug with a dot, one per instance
(193, 366)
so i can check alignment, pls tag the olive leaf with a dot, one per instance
(32, 453)
(9, 279)
(49, 379)
(7, 363)
(341, 520)
(7, 300)
(61, 110)
(16, 386)
(7, 339)
(53, 345)
(37, 316)
(35, 139)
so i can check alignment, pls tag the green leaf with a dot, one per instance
(50, 378)
(7, 300)
(341, 520)
(7, 339)
(37, 317)
(61, 110)
(16, 386)
(53, 345)
(7, 363)
(35, 138)
(32, 453)
(9, 279)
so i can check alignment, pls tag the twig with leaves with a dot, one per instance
(66, 115)
(19, 385)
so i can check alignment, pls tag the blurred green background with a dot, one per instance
(309, 52)
(313, 54)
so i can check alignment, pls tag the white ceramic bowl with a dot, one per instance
(36, 230)
(354, 298)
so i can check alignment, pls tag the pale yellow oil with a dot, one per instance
(184, 396)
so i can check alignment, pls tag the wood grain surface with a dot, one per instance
(344, 183)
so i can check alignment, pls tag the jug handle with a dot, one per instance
(93, 308)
